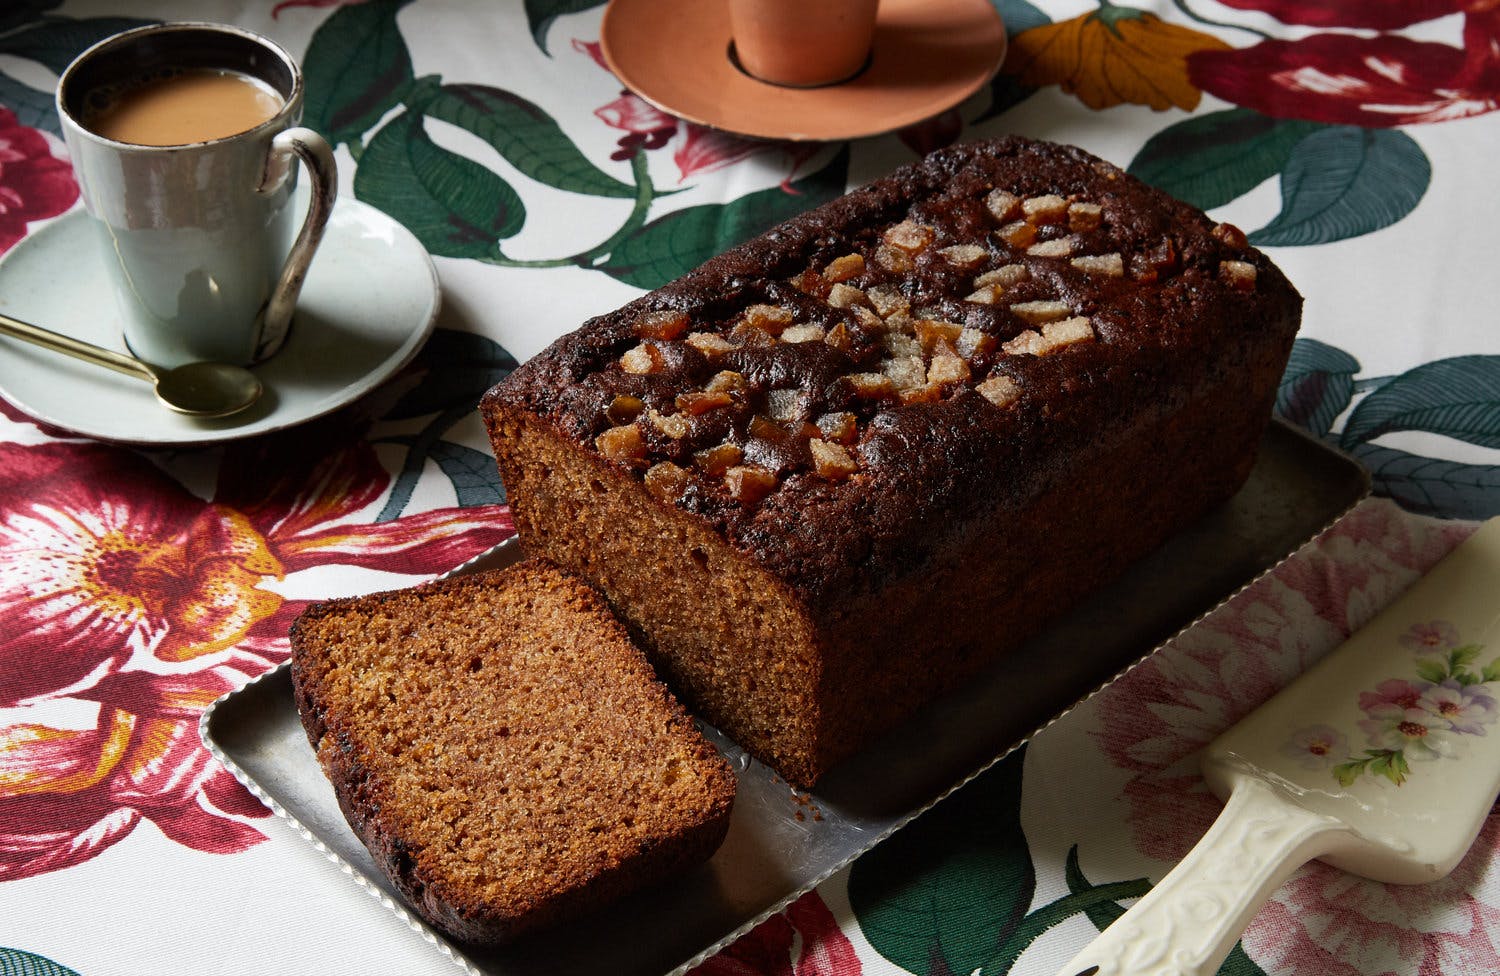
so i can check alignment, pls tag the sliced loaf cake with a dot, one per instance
(503, 750)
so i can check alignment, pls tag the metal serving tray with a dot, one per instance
(782, 843)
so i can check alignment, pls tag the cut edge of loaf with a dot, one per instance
(802, 691)
(727, 636)
(490, 818)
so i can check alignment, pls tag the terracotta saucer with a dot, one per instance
(928, 55)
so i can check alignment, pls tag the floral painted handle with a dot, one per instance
(1192, 918)
(1299, 785)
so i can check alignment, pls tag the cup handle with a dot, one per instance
(315, 153)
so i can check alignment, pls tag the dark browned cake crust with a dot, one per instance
(503, 750)
(837, 469)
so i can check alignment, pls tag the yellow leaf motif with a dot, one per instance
(57, 761)
(1113, 55)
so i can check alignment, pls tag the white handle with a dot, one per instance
(317, 156)
(1187, 923)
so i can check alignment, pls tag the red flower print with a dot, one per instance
(127, 604)
(67, 793)
(772, 947)
(701, 149)
(1154, 722)
(276, 10)
(1392, 692)
(1372, 14)
(1355, 79)
(1166, 710)
(34, 184)
(1326, 922)
(646, 127)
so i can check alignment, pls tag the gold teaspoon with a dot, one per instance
(196, 389)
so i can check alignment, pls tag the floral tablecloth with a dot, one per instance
(1353, 139)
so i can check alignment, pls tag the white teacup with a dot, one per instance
(197, 226)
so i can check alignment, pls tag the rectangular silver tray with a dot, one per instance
(782, 844)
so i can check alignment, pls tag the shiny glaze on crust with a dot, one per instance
(927, 470)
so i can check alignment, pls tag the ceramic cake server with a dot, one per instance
(1383, 760)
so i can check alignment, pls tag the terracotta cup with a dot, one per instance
(802, 43)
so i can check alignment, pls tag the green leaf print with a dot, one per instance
(1447, 397)
(458, 367)
(1458, 397)
(475, 479)
(1461, 657)
(33, 108)
(674, 244)
(526, 136)
(541, 13)
(1100, 903)
(1431, 671)
(1006, 91)
(1392, 765)
(456, 207)
(53, 42)
(356, 68)
(942, 895)
(56, 41)
(17, 12)
(1348, 772)
(472, 473)
(1430, 486)
(1101, 915)
(1491, 671)
(1317, 386)
(1344, 181)
(1209, 160)
(1237, 963)
(1020, 15)
(19, 962)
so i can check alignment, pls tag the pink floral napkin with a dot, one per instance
(1136, 802)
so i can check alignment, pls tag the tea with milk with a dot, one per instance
(185, 143)
(181, 108)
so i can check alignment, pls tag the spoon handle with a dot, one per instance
(69, 346)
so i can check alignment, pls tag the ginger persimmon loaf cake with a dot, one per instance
(503, 750)
(835, 470)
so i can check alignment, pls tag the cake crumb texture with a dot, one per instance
(503, 750)
(837, 470)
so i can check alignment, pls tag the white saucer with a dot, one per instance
(369, 303)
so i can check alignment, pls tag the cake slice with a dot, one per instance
(503, 750)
